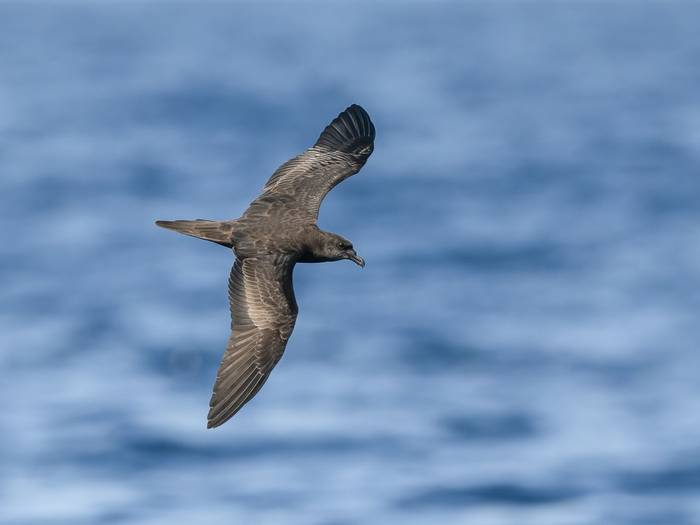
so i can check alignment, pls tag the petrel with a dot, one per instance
(277, 231)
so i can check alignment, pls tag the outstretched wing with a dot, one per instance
(340, 152)
(263, 312)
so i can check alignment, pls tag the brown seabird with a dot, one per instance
(277, 231)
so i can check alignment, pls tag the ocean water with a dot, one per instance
(522, 347)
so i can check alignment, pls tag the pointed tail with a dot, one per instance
(214, 231)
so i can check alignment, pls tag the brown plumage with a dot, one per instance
(277, 231)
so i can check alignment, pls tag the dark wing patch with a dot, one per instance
(340, 151)
(350, 132)
(263, 312)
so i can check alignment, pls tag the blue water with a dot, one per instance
(522, 347)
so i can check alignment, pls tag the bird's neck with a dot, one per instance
(313, 249)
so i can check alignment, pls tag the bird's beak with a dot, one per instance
(356, 259)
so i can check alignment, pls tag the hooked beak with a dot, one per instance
(356, 259)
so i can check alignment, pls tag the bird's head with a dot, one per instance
(334, 248)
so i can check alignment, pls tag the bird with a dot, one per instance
(278, 230)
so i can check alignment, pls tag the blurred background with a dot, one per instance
(522, 347)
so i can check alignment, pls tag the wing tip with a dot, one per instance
(350, 132)
(218, 417)
(220, 413)
(216, 420)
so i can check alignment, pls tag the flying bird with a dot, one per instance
(277, 231)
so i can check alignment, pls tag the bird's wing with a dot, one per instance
(263, 312)
(340, 151)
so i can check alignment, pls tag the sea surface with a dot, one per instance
(522, 347)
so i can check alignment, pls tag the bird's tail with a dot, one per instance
(214, 231)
